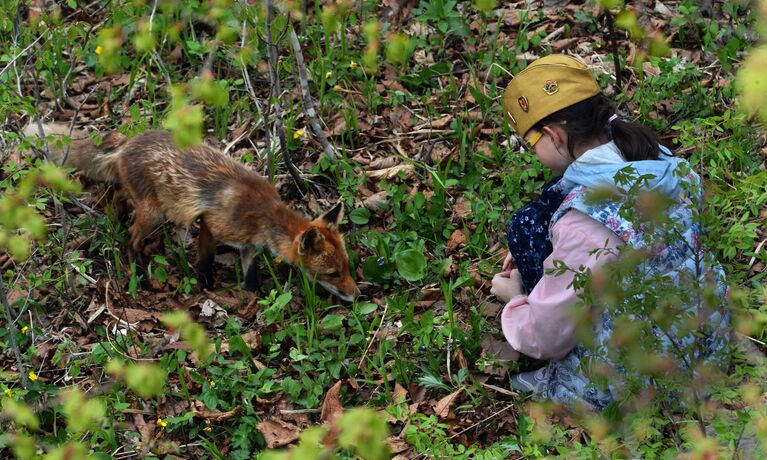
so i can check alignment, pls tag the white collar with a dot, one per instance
(607, 153)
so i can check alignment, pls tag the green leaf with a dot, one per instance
(364, 431)
(147, 380)
(360, 216)
(367, 308)
(411, 264)
(331, 322)
(184, 120)
(20, 413)
(81, 414)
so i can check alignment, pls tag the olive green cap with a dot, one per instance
(547, 85)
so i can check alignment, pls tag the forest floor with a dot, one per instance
(429, 174)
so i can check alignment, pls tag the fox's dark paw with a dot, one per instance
(252, 282)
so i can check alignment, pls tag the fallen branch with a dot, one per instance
(314, 119)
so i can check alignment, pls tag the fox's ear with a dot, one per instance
(334, 216)
(310, 239)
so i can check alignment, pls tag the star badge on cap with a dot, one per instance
(551, 87)
(523, 103)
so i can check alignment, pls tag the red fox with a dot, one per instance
(234, 205)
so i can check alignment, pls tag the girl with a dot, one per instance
(556, 106)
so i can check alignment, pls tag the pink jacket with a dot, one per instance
(540, 324)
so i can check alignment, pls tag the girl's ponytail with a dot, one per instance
(636, 142)
(593, 118)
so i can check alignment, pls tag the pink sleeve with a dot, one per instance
(540, 325)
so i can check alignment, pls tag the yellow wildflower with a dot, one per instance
(337, 88)
(212, 384)
(32, 376)
(24, 329)
(353, 65)
(277, 260)
(9, 393)
(298, 133)
(208, 429)
(99, 50)
(328, 74)
(162, 422)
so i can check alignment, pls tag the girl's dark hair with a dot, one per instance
(588, 120)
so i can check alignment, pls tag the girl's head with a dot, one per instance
(556, 105)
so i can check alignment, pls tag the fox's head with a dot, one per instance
(322, 253)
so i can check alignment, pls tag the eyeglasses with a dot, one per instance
(528, 144)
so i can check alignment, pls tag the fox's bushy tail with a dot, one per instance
(97, 162)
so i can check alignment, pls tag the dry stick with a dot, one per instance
(16, 32)
(493, 415)
(162, 67)
(614, 46)
(314, 119)
(274, 79)
(11, 333)
(375, 335)
(264, 114)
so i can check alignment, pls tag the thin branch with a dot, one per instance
(274, 78)
(614, 46)
(314, 119)
(22, 53)
(162, 67)
(12, 334)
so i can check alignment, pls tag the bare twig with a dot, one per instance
(614, 49)
(375, 335)
(22, 53)
(12, 334)
(274, 78)
(72, 123)
(314, 119)
(491, 416)
(162, 67)
(264, 114)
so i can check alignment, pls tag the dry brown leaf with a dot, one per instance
(135, 315)
(401, 118)
(331, 406)
(383, 163)
(564, 44)
(397, 444)
(440, 123)
(389, 173)
(215, 415)
(462, 207)
(457, 240)
(15, 294)
(443, 406)
(278, 433)
(376, 201)
(147, 433)
(338, 126)
(399, 394)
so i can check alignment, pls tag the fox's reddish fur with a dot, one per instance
(234, 205)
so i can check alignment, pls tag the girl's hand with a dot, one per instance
(506, 285)
(508, 262)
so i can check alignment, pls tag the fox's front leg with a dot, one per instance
(206, 252)
(249, 268)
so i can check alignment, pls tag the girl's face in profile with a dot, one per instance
(548, 144)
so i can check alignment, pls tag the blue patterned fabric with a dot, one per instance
(680, 261)
(528, 235)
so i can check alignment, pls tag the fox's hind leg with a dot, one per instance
(249, 268)
(206, 252)
(148, 217)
